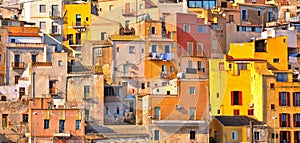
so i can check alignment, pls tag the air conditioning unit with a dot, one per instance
(177, 106)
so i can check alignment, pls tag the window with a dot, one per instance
(148, 84)
(25, 118)
(61, 126)
(131, 49)
(251, 112)
(86, 91)
(218, 95)
(190, 48)
(143, 85)
(186, 28)
(46, 123)
(234, 135)
(284, 120)
(172, 69)
(244, 15)
(42, 25)
(42, 8)
(285, 137)
(164, 68)
(87, 114)
(118, 49)
(167, 48)
(0, 38)
(78, 124)
(242, 66)
(284, 99)
(200, 28)
(273, 136)
(236, 112)
(111, 7)
(199, 65)
(281, 77)
(60, 62)
(4, 120)
(12, 40)
(21, 92)
(156, 135)
(106, 110)
(192, 90)
(272, 106)
(192, 135)
(17, 77)
(127, 23)
(258, 13)
(103, 36)
(156, 113)
(272, 85)
(221, 66)
(231, 18)
(154, 48)
(275, 60)
(271, 18)
(224, 4)
(141, 6)
(153, 31)
(236, 98)
(296, 120)
(256, 135)
(206, 4)
(296, 98)
(200, 49)
(218, 111)
(192, 113)
(33, 58)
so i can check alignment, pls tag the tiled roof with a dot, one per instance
(126, 38)
(237, 120)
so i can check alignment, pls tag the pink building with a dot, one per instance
(54, 124)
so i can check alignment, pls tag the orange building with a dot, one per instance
(51, 123)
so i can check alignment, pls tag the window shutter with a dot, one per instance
(280, 120)
(288, 120)
(294, 119)
(240, 98)
(279, 98)
(294, 98)
(232, 98)
(288, 98)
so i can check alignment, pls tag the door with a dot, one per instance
(55, 10)
(78, 38)
(157, 113)
(78, 19)
(61, 126)
(130, 106)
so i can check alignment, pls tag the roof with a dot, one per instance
(25, 34)
(237, 120)
(256, 5)
(126, 38)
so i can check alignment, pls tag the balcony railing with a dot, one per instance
(54, 14)
(62, 133)
(79, 26)
(161, 56)
(128, 12)
(191, 70)
(164, 75)
(18, 65)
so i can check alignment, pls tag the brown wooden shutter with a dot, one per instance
(288, 99)
(240, 98)
(280, 120)
(232, 98)
(279, 98)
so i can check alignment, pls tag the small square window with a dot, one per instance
(272, 106)
(143, 86)
(230, 65)
(42, 8)
(131, 49)
(218, 111)
(275, 60)
(60, 63)
(111, 7)
(272, 85)
(258, 13)
(118, 49)
(218, 95)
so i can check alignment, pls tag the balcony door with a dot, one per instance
(17, 58)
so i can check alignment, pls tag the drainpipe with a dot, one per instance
(33, 87)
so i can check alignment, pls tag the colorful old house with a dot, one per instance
(77, 18)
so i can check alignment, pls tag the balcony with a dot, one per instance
(53, 91)
(62, 133)
(128, 12)
(54, 14)
(79, 26)
(18, 65)
(161, 56)
(75, 44)
(54, 31)
(164, 75)
(191, 70)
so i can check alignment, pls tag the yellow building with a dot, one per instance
(257, 82)
(77, 18)
(237, 129)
